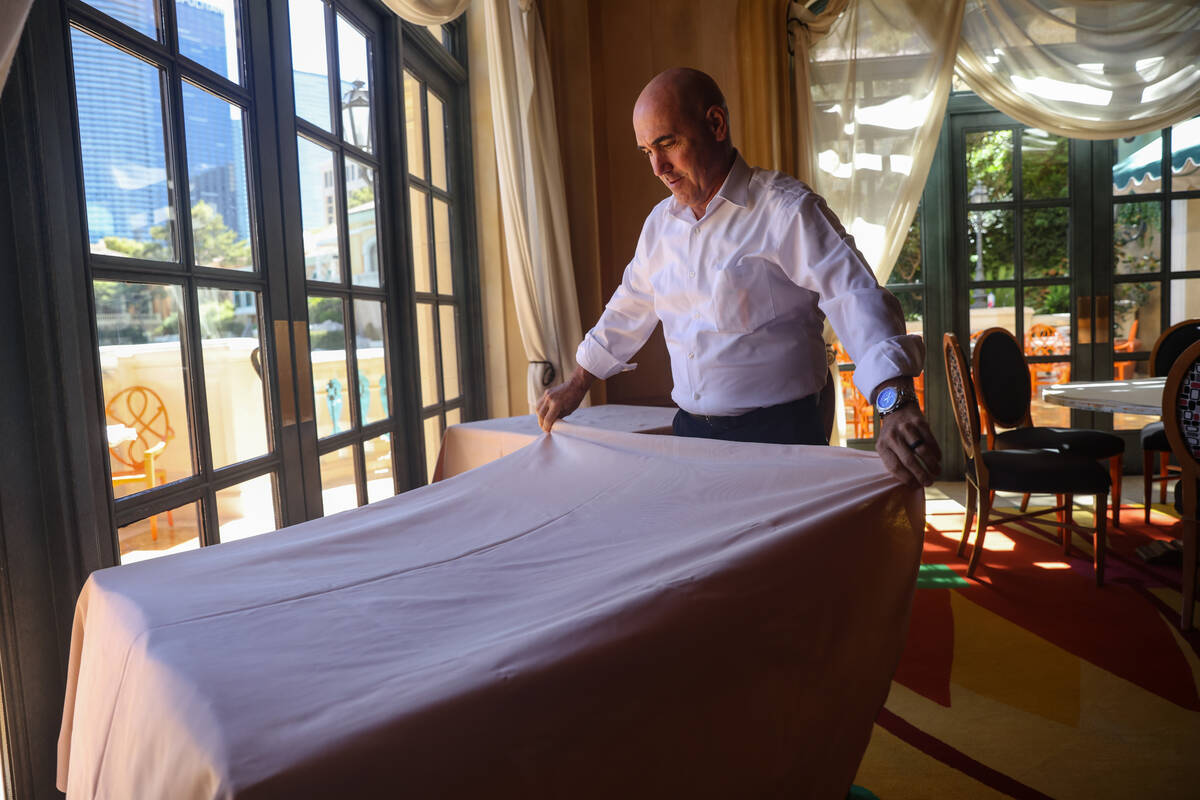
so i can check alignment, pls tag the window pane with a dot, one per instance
(1185, 156)
(220, 197)
(420, 240)
(437, 140)
(439, 33)
(247, 509)
(237, 412)
(990, 245)
(1043, 164)
(372, 367)
(441, 233)
(1185, 234)
(1185, 300)
(142, 372)
(425, 356)
(1137, 237)
(141, 15)
(433, 444)
(413, 125)
(355, 76)
(993, 308)
(378, 452)
(364, 241)
(1138, 304)
(338, 481)
(1044, 238)
(1047, 316)
(453, 417)
(125, 173)
(908, 263)
(208, 34)
(449, 354)
(1138, 165)
(318, 202)
(327, 340)
(310, 64)
(172, 531)
(989, 166)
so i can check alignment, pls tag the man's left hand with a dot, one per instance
(907, 447)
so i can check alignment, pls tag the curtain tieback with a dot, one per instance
(548, 372)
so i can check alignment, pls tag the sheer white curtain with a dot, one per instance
(12, 22)
(1086, 69)
(871, 96)
(532, 192)
(427, 12)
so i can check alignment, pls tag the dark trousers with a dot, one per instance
(797, 422)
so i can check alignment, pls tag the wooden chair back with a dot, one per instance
(1181, 410)
(962, 395)
(1170, 345)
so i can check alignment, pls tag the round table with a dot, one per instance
(1138, 396)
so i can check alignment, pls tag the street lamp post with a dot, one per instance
(357, 107)
(978, 195)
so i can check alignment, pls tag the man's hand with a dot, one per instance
(561, 400)
(907, 447)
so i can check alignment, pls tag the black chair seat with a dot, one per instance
(1045, 471)
(1154, 437)
(1075, 441)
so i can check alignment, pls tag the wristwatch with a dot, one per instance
(891, 399)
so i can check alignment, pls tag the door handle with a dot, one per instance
(287, 389)
(307, 412)
(1103, 318)
(1083, 319)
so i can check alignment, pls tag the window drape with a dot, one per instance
(12, 22)
(1086, 69)
(427, 12)
(532, 192)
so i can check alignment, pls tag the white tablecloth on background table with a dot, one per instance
(473, 444)
(597, 615)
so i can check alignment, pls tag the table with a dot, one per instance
(597, 615)
(472, 444)
(1139, 396)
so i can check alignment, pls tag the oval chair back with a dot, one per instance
(1181, 423)
(139, 408)
(962, 396)
(1001, 377)
(1169, 346)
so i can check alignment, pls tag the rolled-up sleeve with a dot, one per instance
(819, 255)
(626, 324)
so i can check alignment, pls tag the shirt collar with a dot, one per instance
(735, 189)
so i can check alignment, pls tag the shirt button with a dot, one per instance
(696, 396)
(692, 274)
(691, 355)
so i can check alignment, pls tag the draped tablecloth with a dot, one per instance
(472, 444)
(598, 614)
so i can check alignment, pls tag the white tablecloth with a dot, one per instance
(472, 444)
(596, 615)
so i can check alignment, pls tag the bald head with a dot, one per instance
(688, 91)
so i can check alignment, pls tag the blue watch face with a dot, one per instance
(886, 398)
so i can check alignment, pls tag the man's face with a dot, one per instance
(683, 149)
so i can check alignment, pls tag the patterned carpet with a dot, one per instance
(1032, 682)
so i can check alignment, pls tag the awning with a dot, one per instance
(1141, 171)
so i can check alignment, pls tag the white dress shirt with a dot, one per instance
(743, 294)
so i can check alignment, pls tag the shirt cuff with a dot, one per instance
(592, 356)
(899, 356)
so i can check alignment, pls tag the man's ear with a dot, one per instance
(718, 122)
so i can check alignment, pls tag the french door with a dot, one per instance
(243, 178)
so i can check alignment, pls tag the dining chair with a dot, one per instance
(1167, 348)
(1181, 424)
(1019, 470)
(1001, 377)
(1123, 370)
(141, 409)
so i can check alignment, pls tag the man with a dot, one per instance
(742, 266)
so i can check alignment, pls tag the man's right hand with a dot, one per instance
(561, 400)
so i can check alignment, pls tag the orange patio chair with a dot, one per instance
(140, 408)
